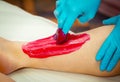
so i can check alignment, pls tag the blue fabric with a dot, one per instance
(109, 53)
(67, 11)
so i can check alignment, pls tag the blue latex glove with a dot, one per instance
(67, 11)
(109, 53)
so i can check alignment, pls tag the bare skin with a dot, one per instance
(80, 61)
(4, 78)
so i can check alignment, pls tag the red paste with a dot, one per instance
(60, 37)
(48, 47)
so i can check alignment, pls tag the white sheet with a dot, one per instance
(16, 24)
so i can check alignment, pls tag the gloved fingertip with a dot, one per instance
(65, 31)
(109, 69)
(98, 58)
(102, 68)
(56, 12)
(111, 20)
(82, 20)
(57, 3)
(68, 23)
(86, 18)
(106, 22)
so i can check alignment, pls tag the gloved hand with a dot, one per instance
(109, 53)
(67, 11)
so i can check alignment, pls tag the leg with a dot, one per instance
(10, 53)
(80, 61)
(83, 60)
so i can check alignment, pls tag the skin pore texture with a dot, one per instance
(82, 60)
(48, 47)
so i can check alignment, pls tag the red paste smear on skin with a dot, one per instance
(47, 47)
(60, 37)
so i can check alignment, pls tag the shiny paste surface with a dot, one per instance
(48, 47)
